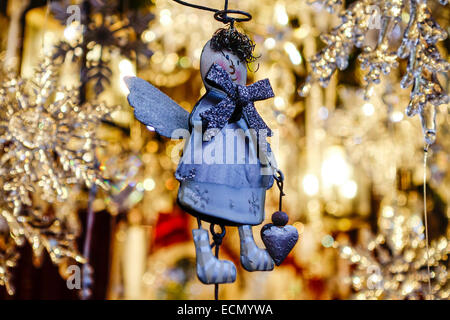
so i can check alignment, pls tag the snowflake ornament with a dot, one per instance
(48, 140)
(418, 47)
(47, 144)
(103, 30)
(392, 265)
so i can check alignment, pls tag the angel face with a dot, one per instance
(236, 68)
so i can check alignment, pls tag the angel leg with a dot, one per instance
(211, 270)
(252, 257)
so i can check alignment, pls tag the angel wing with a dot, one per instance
(154, 108)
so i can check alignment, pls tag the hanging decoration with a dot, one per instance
(48, 142)
(392, 265)
(102, 30)
(418, 47)
(343, 156)
(222, 192)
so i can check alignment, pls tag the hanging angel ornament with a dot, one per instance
(227, 164)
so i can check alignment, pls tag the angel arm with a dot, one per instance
(153, 108)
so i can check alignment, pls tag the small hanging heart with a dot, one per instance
(278, 237)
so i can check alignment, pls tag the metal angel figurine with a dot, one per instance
(227, 164)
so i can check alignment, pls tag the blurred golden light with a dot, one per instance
(310, 184)
(388, 212)
(171, 184)
(335, 170)
(72, 32)
(346, 251)
(59, 96)
(348, 189)
(49, 41)
(148, 36)
(126, 68)
(152, 146)
(170, 62)
(327, 241)
(149, 184)
(279, 102)
(302, 32)
(185, 62)
(299, 226)
(293, 53)
(165, 17)
(157, 57)
(313, 206)
(270, 43)
(368, 109)
(323, 113)
(344, 224)
(281, 15)
(397, 116)
(95, 53)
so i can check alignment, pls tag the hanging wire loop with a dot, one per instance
(221, 15)
(425, 156)
(217, 241)
(279, 178)
(195, 6)
(217, 237)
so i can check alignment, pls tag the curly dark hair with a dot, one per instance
(232, 40)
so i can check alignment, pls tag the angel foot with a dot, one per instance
(252, 257)
(211, 270)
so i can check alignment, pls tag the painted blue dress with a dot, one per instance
(222, 180)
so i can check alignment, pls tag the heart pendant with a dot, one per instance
(278, 238)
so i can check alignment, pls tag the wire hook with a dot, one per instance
(221, 15)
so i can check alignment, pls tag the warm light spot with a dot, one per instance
(327, 241)
(300, 227)
(348, 189)
(368, 109)
(157, 57)
(302, 32)
(323, 113)
(344, 224)
(72, 32)
(165, 17)
(388, 212)
(270, 43)
(59, 96)
(171, 184)
(335, 169)
(126, 69)
(185, 62)
(310, 184)
(347, 251)
(279, 102)
(293, 53)
(149, 184)
(281, 14)
(148, 36)
(397, 116)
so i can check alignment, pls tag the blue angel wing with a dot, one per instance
(154, 108)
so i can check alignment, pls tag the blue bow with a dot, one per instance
(237, 96)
